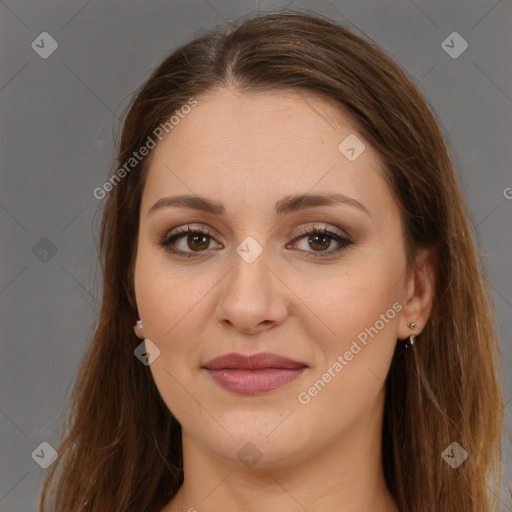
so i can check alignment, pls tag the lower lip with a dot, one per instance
(253, 382)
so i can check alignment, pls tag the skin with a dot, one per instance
(247, 151)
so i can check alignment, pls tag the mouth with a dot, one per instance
(252, 375)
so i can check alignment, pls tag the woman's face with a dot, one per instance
(256, 281)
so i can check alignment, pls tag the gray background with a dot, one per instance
(58, 115)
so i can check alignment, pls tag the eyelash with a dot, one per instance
(169, 239)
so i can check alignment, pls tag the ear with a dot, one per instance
(138, 332)
(420, 290)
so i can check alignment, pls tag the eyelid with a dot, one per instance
(202, 228)
(322, 226)
(336, 234)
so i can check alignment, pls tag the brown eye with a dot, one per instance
(194, 242)
(198, 242)
(317, 241)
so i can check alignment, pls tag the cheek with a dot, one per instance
(349, 381)
(341, 305)
(168, 303)
(167, 295)
(354, 324)
(165, 302)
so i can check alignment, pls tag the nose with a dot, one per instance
(253, 297)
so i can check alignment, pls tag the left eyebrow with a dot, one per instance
(284, 206)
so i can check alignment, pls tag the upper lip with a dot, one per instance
(251, 362)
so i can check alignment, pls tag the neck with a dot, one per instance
(345, 475)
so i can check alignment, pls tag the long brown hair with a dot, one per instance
(122, 448)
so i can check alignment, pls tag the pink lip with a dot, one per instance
(251, 375)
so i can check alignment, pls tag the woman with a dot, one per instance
(294, 314)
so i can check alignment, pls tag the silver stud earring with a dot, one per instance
(139, 324)
(410, 342)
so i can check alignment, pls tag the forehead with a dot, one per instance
(266, 142)
(241, 120)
